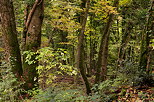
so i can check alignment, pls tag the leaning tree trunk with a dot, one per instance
(101, 70)
(10, 36)
(32, 41)
(80, 49)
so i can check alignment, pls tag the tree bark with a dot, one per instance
(10, 37)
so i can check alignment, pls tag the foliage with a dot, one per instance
(69, 95)
(52, 62)
(131, 75)
(10, 88)
(30, 2)
(50, 94)
(62, 13)
(125, 2)
(106, 89)
(61, 25)
(127, 75)
(44, 96)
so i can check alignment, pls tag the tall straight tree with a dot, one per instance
(32, 40)
(79, 58)
(10, 36)
(101, 70)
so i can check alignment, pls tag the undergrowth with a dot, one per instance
(10, 88)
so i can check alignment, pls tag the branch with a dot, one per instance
(31, 13)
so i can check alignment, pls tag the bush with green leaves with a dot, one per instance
(106, 90)
(52, 62)
(56, 95)
(128, 75)
(131, 74)
(69, 95)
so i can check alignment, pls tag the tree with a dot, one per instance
(80, 46)
(9, 32)
(101, 70)
(32, 41)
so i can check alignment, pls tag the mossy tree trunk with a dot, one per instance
(9, 32)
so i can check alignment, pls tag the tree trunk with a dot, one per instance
(103, 50)
(80, 49)
(26, 12)
(1, 44)
(32, 42)
(91, 56)
(10, 36)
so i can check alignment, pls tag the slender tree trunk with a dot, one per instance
(91, 64)
(33, 40)
(1, 44)
(10, 36)
(103, 50)
(80, 49)
(26, 12)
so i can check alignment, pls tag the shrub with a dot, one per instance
(10, 88)
(52, 62)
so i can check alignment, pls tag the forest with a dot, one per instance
(76, 50)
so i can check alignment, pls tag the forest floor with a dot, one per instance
(137, 94)
(123, 94)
